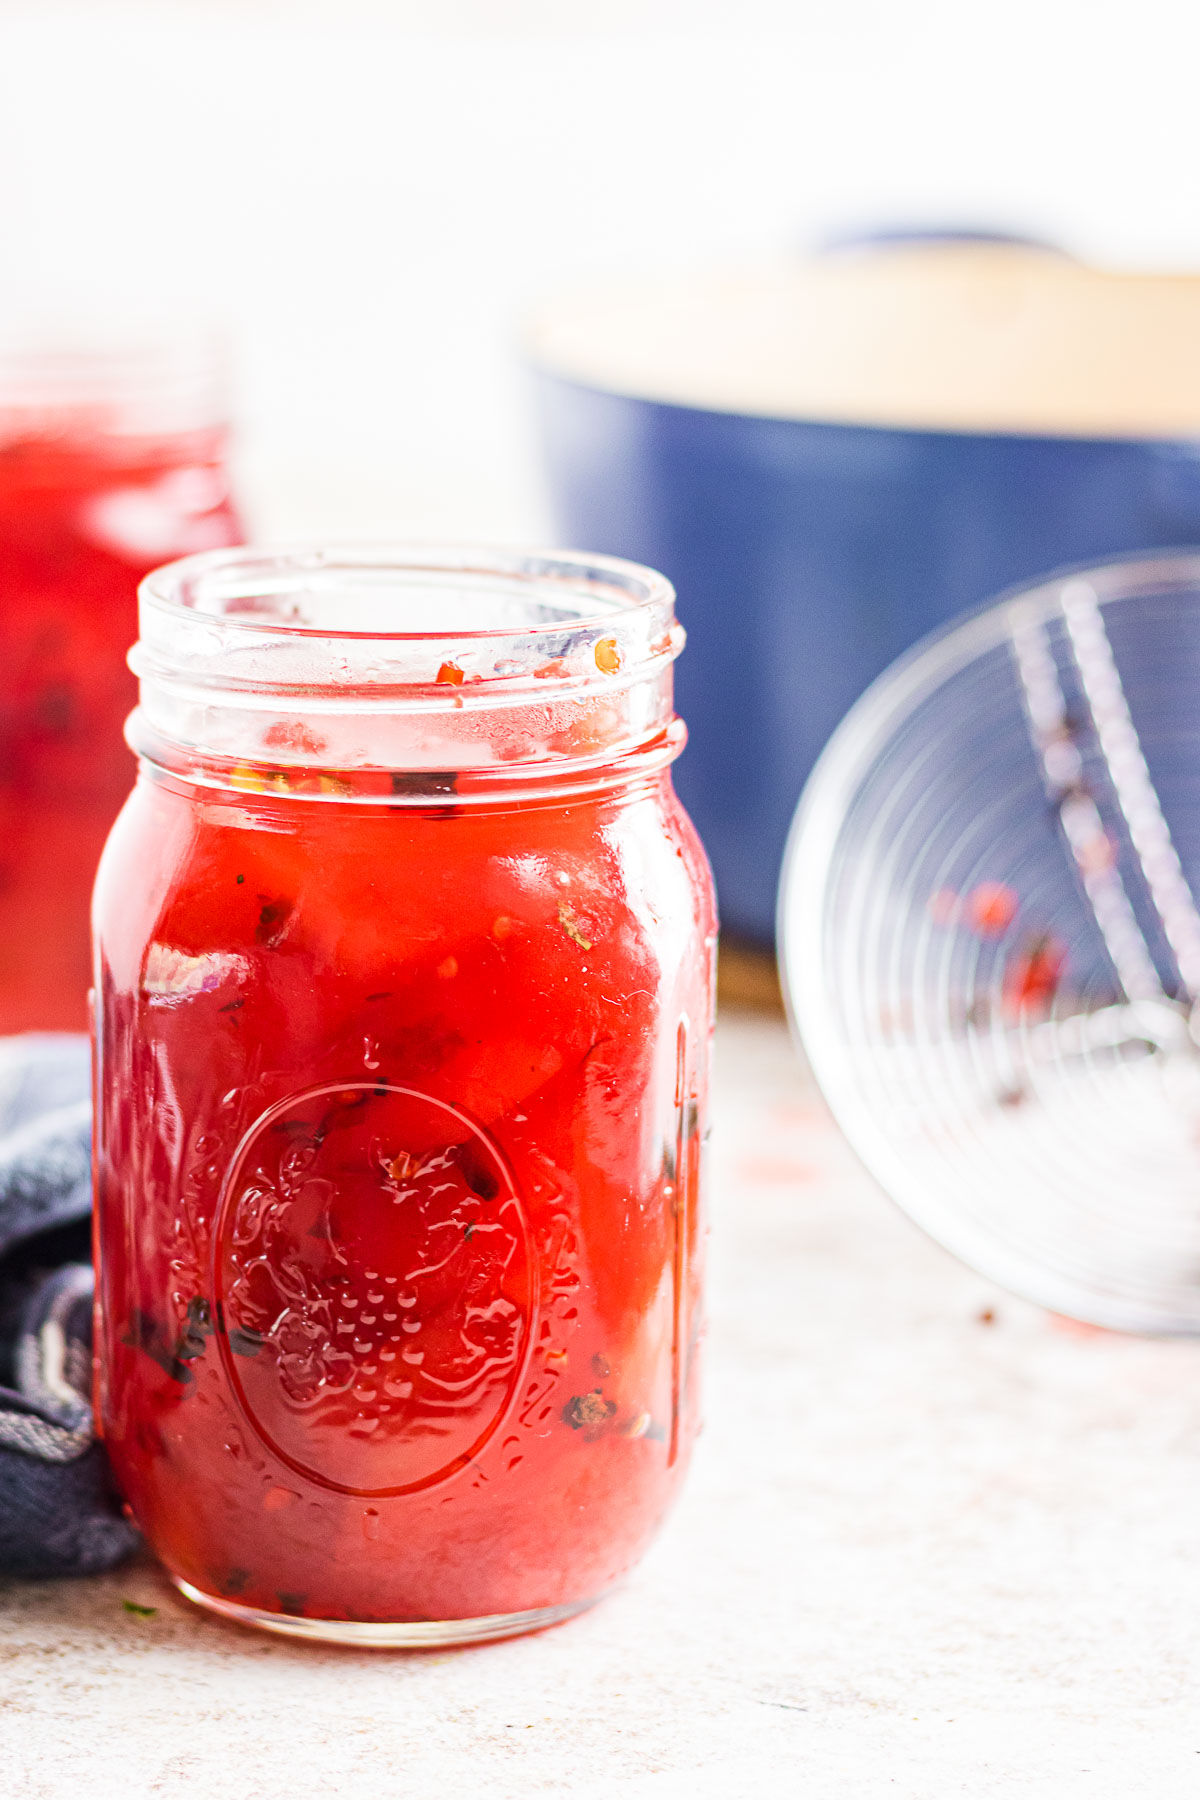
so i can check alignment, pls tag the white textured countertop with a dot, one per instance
(933, 1544)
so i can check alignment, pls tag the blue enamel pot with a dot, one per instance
(833, 459)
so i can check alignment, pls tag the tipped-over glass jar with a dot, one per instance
(403, 991)
(111, 460)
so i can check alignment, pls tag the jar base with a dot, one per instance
(418, 1634)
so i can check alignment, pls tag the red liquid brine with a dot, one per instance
(403, 1080)
(86, 509)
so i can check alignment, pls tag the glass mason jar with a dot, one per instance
(111, 461)
(403, 992)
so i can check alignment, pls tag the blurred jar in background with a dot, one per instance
(112, 460)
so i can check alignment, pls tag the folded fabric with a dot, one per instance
(58, 1512)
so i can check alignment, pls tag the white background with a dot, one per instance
(370, 193)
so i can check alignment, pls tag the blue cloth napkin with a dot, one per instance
(59, 1514)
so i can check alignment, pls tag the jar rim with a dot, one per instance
(208, 584)
(414, 657)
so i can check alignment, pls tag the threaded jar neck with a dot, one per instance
(502, 664)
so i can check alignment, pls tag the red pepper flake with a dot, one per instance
(551, 671)
(450, 675)
(608, 656)
(567, 920)
(1031, 979)
(288, 734)
(991, 908)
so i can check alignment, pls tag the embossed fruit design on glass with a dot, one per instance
(402, 1002)
(110, 462)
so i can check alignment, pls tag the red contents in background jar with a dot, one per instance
(83, 516)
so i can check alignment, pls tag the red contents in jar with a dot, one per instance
(397, 1190)
(82, 519)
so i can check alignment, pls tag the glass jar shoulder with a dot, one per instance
(598, 903)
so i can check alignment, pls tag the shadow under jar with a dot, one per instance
(111, 460)
(404, 956)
